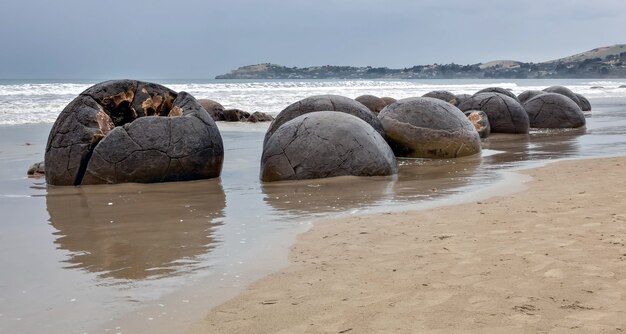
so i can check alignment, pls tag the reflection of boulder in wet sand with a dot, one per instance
(325, 103)
(541, 144)
(505, 114)
(424, 127)
(443, 95)
(132, 131)
(327, 195)
(528, 94)
(325, 144)
(498, 90)
(136, 231)
(480, 121)
(373, 103)
(551, 110)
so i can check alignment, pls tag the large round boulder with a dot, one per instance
(388, 100)
(325, 144)
(132, 131)
(498, 90)
(424, 127)
(374, 103)
(443, 95)
(461, 98)
(324, 103)
(584, 104)
(480, 120)
(528, 94)
(564, 91)
(505, 114)
(551, 110)
(214, 108)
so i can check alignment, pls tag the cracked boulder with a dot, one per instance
(325, 144)
(505, 114)
(480, 121)
(528, 94)
(565, 92)
(551, 110)
(132, 131)
(424, 127)
(498, 90)
(324, 103)
(374, 103)
(443, 95)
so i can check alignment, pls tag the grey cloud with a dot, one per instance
(199, 39)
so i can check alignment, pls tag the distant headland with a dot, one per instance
(604, 62)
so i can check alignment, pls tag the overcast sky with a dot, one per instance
(155, 39)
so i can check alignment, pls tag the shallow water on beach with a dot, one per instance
(154, 257)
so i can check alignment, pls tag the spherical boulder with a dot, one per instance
(528, 94)
(584, 104)
(443, 95)
(480, 121)
(132, 131)
(325, 144)
(551, 110)
(564, 91)
(215, 109)
(374, 103)
(498, 90)
(388, 100)
(461, 98)
(505, 114)
(324, 103)
(424, 127)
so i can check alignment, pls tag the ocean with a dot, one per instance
(155, 257)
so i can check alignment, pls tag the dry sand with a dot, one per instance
(551, 258)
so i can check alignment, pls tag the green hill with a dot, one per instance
(604, 62)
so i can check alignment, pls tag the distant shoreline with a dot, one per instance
(605, 63)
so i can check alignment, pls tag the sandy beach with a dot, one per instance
(548, 259)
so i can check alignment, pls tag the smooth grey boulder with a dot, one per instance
(551, 110)
(425, 127)
(258, 116)
(325, 144)
(528, 94)
(443, 95)
(480, 120)
(214, 108)
(564, 91)
(235, 115)
(324, 103)
(505, 114)
(498, 90)
(374, 103)
(584, 104)
(132, 131)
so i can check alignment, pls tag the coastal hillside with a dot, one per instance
(603, 62)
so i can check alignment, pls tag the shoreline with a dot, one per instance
(510, 262)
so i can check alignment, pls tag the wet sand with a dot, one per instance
(550, 258)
